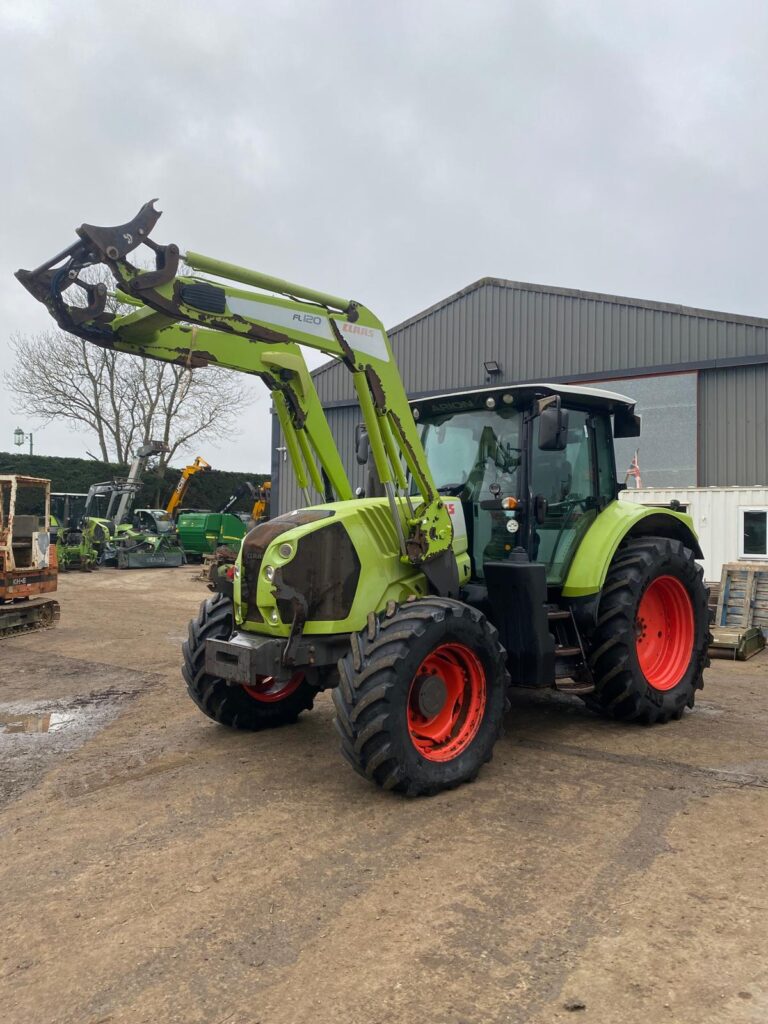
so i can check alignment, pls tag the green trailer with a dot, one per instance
(201, 533)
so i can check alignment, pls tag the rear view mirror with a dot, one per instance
(553, 428)
(626, 422)
(362, 445)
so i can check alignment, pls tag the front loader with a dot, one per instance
(496, 555)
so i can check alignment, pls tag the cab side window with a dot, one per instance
(606, 464)
(568, 482)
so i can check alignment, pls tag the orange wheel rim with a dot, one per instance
(267, 690)
(446, 702)
(664, 631)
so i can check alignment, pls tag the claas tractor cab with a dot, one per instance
(28, 565)
(490, 551)
(528, 474)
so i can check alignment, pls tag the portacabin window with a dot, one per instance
(753, 533)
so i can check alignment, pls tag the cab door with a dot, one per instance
(565, 487)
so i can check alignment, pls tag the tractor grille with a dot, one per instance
(254, 546)
(324, 571)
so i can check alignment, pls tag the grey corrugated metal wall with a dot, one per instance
(733, 426)
(342, 421)
(539, 333)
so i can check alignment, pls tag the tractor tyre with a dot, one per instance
(649, 650)
(262, 705)
(421, 697)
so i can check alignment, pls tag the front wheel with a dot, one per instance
(649, 650)
(421, 697)
(263, 704)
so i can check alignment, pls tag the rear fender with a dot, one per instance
(619, 520)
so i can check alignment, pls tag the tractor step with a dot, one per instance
(569, 653)
(572, 687)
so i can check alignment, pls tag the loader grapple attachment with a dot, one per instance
(115, 243)
(99, 245)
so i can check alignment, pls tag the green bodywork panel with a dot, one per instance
(384, 576)
(594, 554)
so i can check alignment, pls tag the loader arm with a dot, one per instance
(182, 318)
(284, 371)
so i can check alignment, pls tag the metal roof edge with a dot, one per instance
(441, 304)
(571, 293)
(587, 377)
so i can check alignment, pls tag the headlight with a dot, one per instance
(269, 572)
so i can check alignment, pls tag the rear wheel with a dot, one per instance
(263, 704)
(649, 650)
(421, 697)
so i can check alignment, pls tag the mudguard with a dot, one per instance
(618, 520)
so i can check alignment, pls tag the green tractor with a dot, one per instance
(88, 536)
(76, 538)
(490, 551)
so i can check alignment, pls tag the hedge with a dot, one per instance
(206, 490)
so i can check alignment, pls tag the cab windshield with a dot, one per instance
(475, 456)
(471, 451)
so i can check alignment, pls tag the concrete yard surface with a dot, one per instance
(159, 868)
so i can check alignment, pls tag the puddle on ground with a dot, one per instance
(51, 721)
(33, 735)
(79, 713)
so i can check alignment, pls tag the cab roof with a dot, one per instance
(524, 393)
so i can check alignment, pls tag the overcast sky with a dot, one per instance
(391, 151)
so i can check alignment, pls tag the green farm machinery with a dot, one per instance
(491, 550)
(90, 534)
(201, 532)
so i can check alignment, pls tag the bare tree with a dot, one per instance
(122, 400)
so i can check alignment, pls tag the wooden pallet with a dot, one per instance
(743, 597)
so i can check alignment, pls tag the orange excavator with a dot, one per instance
(198, 466)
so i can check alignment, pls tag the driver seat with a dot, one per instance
(552, 476)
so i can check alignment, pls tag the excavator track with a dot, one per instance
(28, 616)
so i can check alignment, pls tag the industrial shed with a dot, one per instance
(700, 377)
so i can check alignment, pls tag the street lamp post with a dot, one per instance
(19, 437)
